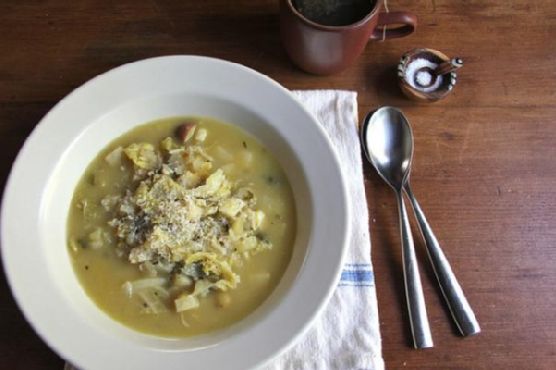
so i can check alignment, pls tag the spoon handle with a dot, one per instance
(422, 337)
(449, 66)
(459, 306)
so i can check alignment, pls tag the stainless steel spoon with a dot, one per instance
(388, 143)
(459, 306)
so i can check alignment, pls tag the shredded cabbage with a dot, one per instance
(186, 219)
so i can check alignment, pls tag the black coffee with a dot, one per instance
(334, 12)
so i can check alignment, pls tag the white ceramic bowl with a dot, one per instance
(40, 187)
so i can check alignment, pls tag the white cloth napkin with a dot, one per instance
(346, 336)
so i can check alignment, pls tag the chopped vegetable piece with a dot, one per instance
(246, 158)
(131, 287)
(114, 158)
(181, 280)
(143, 156)
(186, 131)
(186, 302)
(201, 134)
(148, 269)
(260, 278)
(151, 302)
(97, 239)
(75, 245)
(231, 207)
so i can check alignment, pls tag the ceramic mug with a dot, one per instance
(324, 49)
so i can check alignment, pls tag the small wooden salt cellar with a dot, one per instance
(448, 80)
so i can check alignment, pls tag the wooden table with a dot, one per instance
(484, 167)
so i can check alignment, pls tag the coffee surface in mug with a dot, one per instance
(334, 12)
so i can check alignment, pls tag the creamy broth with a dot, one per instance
(103, 270)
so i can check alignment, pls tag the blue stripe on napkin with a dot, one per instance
(357, 274)
(360, 276)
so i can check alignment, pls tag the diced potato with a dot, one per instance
(167, 170)
(201, 165)
(181, 280)
(160, 292)
(237, 228)
(75, 245)
(131, 287)
(148, 269)
(127, 288)
(202, 288)
(260, 278)
(151, 302)
(231, 207)
(109, 201)
(175, 162)
(97, 239)
(245, 157)
(257, 220)
(114, 158)
(82, 204)
(201, 134)
(249, 243)
(215, 180)
(140, 254)
(194, 212)
(168, 144)
(143, 155)
(211, 210)
(141, 194)
(189, 180)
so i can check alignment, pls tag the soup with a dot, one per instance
(181, 226)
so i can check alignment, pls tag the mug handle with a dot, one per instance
(408, 22)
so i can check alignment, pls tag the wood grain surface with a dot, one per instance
(484, 168)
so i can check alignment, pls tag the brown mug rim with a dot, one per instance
(357, 24)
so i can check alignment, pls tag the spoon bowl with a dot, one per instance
(388, 143)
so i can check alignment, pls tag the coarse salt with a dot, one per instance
(414, 73)
(424, 78)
